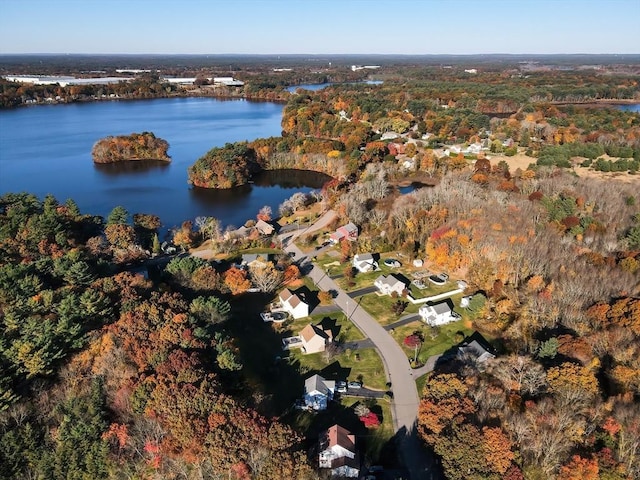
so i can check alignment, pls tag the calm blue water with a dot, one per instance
(313, 87)
(47, 149)
(632, 108)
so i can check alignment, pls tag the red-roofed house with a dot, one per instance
(338, 452)
(348, 231)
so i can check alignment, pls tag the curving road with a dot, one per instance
(405, 395)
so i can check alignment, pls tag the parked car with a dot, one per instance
(392, 262)
(341, 386)
(355, 385)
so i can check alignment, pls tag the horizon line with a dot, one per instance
(323, 54)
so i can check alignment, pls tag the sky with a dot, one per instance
(320, 26)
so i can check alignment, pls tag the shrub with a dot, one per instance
(370, 420)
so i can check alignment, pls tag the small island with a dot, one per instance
(124, 148)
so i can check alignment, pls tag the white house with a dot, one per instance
(314, 338)
(293, 304)
(337, 447)
(437, 314)
(364, 262)
(473, 149)
(318, 392)
(387, 284)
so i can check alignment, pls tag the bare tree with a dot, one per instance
(519, 373)
(266, 277)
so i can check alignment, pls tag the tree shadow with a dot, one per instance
(330, 324)
(335, 371)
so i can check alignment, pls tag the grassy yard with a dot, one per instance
(376, 438)
(279, 375)
(421, 382)
(344, 330)
(436, 340)
(379, 307)
(370, 442)
(431, 289)
(363, 365)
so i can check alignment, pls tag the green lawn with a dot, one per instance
(363, 365)
(436, 340)
(278, 375)
(265, 251)
(379, 307)
(376, 438)
(421, 382)
(344, 330)
(371, 442)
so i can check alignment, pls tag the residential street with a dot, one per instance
(405, 395)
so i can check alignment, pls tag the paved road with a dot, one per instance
(405, 395)
(328, 217)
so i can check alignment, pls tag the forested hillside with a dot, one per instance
(106, 374)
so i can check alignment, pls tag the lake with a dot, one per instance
(314, 87)
(633, 107)
(47, 149)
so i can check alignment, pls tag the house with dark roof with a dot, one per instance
(318, 392)
(337, 452)
(477, 348)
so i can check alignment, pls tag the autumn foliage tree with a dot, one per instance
(236, 280)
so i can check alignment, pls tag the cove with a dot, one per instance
(47, 149)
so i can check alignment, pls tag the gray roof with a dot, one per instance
(389, 280)
(441, 308)
(476, 350)
(316, 382)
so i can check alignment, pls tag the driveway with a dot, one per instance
(362, 291)
(403, 321)
(328, 217)
(363, 393)
(366, 343)
(405, 395)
